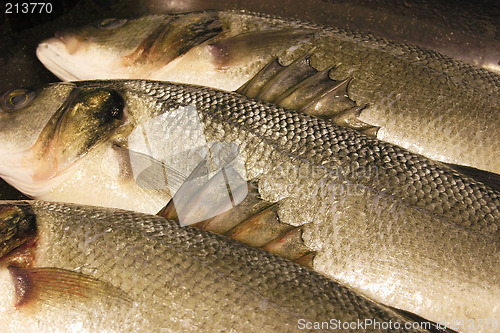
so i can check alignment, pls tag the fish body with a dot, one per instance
(95, 269)
(404, 230)
(437, 25)
(421, 100)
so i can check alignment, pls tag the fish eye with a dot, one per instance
(111, 23)
(16, 99)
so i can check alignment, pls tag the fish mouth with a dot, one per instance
(51, 54)
(26, 180)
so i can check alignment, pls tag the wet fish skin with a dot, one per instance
(174, 278)
(402, 229)
(421, 100)
(53, 144)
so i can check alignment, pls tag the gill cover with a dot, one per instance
(88, 117)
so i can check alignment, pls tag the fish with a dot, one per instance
(421, 100)
(404, 230)
(67, 268)
(438, 26)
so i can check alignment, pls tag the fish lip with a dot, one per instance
(23, 178)
(46, 53)
(26, 181)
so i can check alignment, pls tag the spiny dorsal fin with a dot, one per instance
(286, 79)
(330, 101)
(253, 87)
(301, 87)
(274, 81)
(213, 187)
(251, 205)
(289, 245)
(306, 260)
(261, 228)
(350, 118)
(253, 221)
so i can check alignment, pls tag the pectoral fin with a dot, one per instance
(251, 45)
(52, 285)
(146, 171)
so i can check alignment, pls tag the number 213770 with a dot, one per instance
(28, 8)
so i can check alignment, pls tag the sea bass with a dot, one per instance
(405, 230)
(68, 268)
(418, 99)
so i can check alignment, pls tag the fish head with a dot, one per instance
(18, 232)
(45, 131)
(23, 115)
(219, 49)
(25, 111)
(17, 226)
(126, 48)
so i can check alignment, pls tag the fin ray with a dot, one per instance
(251, 44)
(260, 228)
(148, 172)
(288, 245)
(48, 284)
(212, 188)
(301, 87)
(253, 220)
(287, 78)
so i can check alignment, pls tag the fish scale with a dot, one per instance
(350, 149)
(412, 204)
(415, 98)
(175, 279)
(395, 226)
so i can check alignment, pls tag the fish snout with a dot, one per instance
(72, 42)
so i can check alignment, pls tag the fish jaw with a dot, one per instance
(17, 170)
(99, 171)
(86, 63)
(404, 109)
(69, 150)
